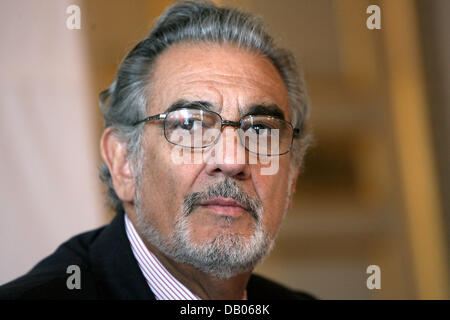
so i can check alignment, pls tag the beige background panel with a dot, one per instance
(48, 189)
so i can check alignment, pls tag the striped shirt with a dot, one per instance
(161, 282)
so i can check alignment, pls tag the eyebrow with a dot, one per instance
(265, 110)
(190, 104)
(255, 110)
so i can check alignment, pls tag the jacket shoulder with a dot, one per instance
(260, 287)
(48, 279)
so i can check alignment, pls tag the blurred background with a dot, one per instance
(375, 185)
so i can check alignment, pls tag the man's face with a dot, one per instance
(171, 196)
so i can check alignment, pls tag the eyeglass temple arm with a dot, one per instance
(151, 118)
(298, 131)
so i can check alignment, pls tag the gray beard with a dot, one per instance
(227, 254)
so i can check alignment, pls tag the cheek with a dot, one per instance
(165, 185)
(156, 185)
(273, 193)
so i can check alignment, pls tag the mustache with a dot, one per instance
(226, 189)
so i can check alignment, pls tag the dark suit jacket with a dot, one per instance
(108, 271)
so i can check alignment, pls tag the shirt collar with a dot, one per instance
(159, 279)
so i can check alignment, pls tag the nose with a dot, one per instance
(228, 156)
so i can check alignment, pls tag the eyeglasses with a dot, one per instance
(196, 128)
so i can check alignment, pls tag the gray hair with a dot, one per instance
(125, 101)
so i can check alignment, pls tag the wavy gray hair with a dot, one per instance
(125, 101)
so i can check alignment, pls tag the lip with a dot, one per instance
(225, 207)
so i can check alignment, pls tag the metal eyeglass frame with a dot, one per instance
(162, 116)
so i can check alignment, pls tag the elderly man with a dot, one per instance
(203, 141)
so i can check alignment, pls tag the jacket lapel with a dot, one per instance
(117, 273)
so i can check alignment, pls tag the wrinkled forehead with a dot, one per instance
(231, 80)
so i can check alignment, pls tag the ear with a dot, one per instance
(115, 156)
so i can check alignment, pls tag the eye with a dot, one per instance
(261, 128)
(188, 124)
